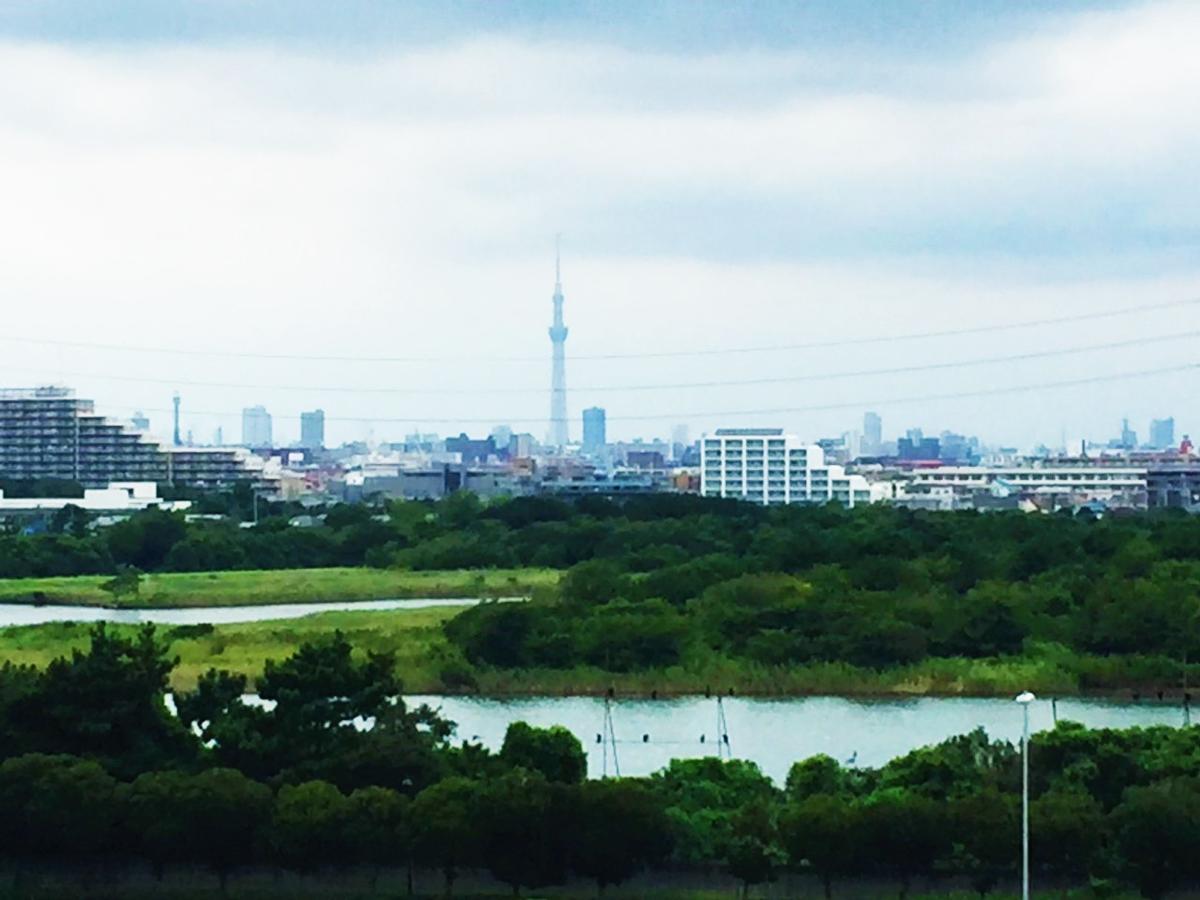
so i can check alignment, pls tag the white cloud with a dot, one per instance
(245, 197)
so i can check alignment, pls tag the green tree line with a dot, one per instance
(329, 770)
(652, 582)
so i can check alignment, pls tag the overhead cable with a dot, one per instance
(618, 388)
(664, 354)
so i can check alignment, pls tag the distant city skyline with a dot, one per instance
(804, 175)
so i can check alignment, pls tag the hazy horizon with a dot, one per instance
(381, 181)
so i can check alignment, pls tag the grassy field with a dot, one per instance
(180, 589)
(427, 663)
(413, 634)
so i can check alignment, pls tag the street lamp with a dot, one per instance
(1025, 698)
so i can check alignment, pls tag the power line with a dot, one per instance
(717, 351)
(772, 411)
(688, 385)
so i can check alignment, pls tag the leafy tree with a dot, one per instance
(308, 826)
(155, 816)
(959, 765)
(227, 813)
(104, 703)
(145, 539)
(818, 774)
(906, 832)
(592, 583)
(679, 583)
(447, 829)
(986, 827)
(754, 855)
(459, 510)
(56, 806)
(1067, 829)
(623, 637)
(126, 583)
(553, 752)
(379, 828)
(702, 797)
(495, 633)
(821, 831)
(1157, 830)
(318, 695)
(526, 825)
(207, 550)
(70, 519)
(983, 622)
(621, 828)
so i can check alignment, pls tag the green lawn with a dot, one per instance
(413, 634)
(176, 589)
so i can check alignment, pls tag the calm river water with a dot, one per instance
(29, 614)
(650, 733)
(776, 733)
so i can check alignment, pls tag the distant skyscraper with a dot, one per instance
(175, 402)
(256, 427)
(595, 434)
(872, 439)
(312, 429)
(679, 441)
(219, 437)
(1128, 436)
(1162, 434)
(502, 435)
(521, 445)
(559, 434)
(140, 422)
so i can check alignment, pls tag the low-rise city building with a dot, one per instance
(118, 499)
(1057, 483)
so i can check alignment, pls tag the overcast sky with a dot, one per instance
(378, 180)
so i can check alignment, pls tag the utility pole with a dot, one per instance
(1025, 698)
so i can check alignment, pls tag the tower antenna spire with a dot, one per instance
(558, 434)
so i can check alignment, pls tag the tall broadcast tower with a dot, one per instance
(558, 374)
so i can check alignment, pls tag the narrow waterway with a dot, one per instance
(776, 733)
(30, 614)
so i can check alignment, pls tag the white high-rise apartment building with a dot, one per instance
(764, 465)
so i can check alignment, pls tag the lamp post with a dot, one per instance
(1025, 698)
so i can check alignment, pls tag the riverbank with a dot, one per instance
(237, 588)
(1045, 673)
(428, 663)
